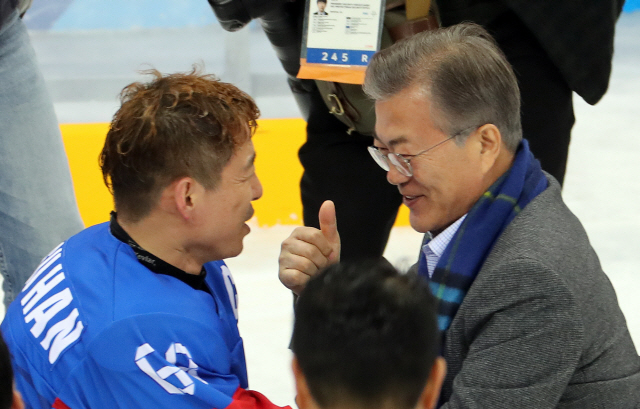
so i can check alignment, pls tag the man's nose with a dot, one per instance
(395, 177)
(256, 188)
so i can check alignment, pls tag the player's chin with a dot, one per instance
(235, 249)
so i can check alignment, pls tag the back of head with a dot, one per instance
(365, 336)
(185, 124)
(461, 70)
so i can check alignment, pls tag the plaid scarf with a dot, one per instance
(485, 222)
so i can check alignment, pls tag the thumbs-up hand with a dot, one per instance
(329, 229)
(308, 250)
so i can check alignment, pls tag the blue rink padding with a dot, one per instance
(64, 15)
(631, 5)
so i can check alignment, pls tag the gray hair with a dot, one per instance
(462, 71)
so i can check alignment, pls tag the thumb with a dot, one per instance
(329, 228)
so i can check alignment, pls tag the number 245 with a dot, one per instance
(344, 57)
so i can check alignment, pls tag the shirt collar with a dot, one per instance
(434, 248)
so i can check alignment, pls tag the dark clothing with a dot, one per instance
(555, 48)
(547, 104)
(576, 35)
(552, 50)
(336, 165)
(540, 326)
(6, 7)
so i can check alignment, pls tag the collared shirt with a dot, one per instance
(435, 247)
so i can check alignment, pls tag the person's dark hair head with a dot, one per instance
(461, 70)
(6, 376)
(185, 124)
(365, 335)
(322, 1)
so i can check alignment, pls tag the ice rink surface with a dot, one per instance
(85, 71)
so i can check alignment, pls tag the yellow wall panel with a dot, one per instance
(276, 142)
(83, 143)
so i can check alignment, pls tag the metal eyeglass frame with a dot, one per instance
(402, 163)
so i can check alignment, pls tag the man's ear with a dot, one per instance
(185, 194)
(431, 392)
(490, 141)
(18, 403)
(303, 395)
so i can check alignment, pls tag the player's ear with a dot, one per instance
(303, 396)
(184, 193)
(431, 392)
(18, 403)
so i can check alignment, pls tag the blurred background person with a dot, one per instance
(9, 397)
(37, 204)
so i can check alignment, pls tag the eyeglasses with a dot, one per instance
(402, 163)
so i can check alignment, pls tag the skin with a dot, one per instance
(447, 181)
(321, 6)
(192, 225)
(307, 250)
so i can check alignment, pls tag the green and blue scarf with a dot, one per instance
(464, 256)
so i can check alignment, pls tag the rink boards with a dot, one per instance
(276, 142)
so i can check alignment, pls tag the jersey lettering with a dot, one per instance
(44, 301)
(231, 289)
(62, 334)
(44, 264)
(42, 288)
(173, 379)
(43, 313)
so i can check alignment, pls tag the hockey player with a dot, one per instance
(141, 312)
(366, 337)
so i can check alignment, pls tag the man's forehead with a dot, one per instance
(243, 155)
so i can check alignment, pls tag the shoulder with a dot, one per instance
(49, 311)
(544, 261)
(171, 358)
(48, 326)
(541, 258)
(545, 246)
(548, 234)
(158, 331)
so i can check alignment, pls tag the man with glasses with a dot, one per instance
(527, 315)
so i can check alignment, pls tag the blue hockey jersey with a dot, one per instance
(94, 328)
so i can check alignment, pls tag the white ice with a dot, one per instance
(602, 185)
